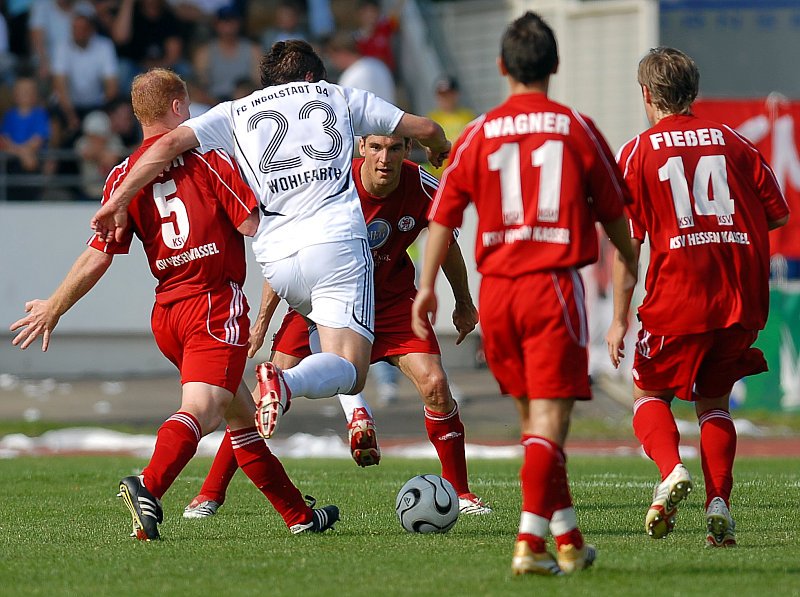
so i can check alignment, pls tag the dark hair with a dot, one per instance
(672, 78)
(529, 50)
(290, 61)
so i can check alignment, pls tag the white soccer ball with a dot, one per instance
(427, 504)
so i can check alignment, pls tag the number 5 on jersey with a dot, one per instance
(174, 219)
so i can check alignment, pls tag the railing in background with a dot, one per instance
(48, 187)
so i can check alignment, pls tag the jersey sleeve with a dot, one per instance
(214, 128)
(607, 189)
(766, 184)
(370, 114)
(454, 195)
(230, 189)
(115, 177)
(629, 166)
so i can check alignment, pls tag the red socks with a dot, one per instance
(655, 428)
(546, 500)
(446, 432)
(717, 451)
(267, 473)
(222, 470)
(176, 443)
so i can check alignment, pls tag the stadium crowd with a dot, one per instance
(66, 68)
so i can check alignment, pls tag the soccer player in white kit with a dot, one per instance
(293, 141)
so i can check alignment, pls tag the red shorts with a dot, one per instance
(535, 334)
(393, 335)
(692, 365)
(205, 336)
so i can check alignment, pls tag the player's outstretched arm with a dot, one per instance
(465, 315)
(623, 282)
(269, 302)
(428, 133)
(43, 315)
(110, 220)
(425, 305)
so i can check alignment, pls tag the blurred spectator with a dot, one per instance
(106, 15)
(17, 17)
(100, 150)
(244, 87)
(146, 33)
(85, 69)
(6, 58)
(321, 23)
(123, 122)
(50, 26)
(449, 113)
(196, 16)
(363, 72)
(288, 16)
(227, 58)
(375, 35)
(201, 101)
(23, 133)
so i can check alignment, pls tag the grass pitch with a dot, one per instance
(63, 532)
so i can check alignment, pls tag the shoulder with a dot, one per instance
(116, 176)
(419, 179)
(627, 152)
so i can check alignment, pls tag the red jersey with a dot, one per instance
(379, 43)
(186, 219)
(703, 195)
(393, 224)
(540, 174)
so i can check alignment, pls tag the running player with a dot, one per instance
(190, 221)
(539, 174)
(705, 198)
(395, 197)
(294, 141)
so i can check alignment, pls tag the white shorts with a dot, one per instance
(330, 283)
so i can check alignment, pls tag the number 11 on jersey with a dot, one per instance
(506, 160)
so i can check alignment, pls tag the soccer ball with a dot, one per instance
(427, 504)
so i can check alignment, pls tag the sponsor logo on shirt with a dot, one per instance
(378, 232)
(730, 237)
(187, 256)
(406, 223)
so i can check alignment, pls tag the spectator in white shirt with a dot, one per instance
(85, 69)
(50, 26)
(361, 72)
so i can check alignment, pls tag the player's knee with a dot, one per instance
(435, 390)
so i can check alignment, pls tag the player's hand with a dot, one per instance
(39, 321)
(615, 339)
(110, 221)
(257, 335)
(422, 311)
(465, 318)
(437, 156)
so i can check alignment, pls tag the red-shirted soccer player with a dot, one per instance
(539, 174)
(395, 197)
(190, 221)
(705, 198)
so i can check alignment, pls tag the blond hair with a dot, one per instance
(153, 92)
(672, 78)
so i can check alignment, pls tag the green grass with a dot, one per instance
(62, 531)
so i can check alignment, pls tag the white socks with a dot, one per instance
(320, 376)
(349, 402)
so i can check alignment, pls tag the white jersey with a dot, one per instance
(294, 144)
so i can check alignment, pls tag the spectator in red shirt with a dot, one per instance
(375, 35)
